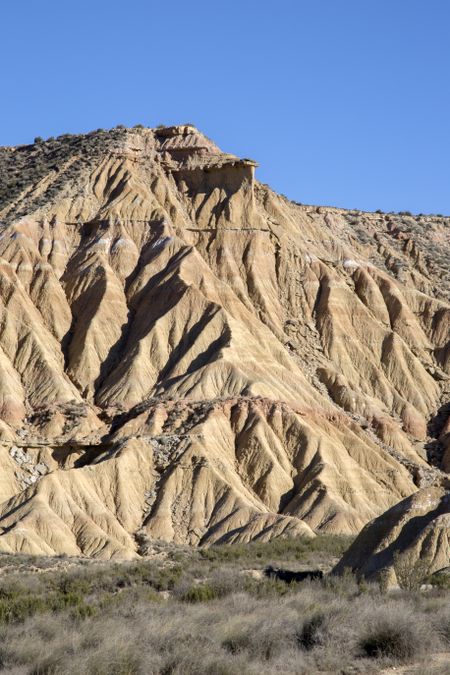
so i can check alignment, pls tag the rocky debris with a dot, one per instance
(256, 575)
(166, 450)
(19, 455)
(29, 472)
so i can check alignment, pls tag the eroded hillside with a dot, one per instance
(186, 355)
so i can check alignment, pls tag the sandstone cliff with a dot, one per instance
(186, 355)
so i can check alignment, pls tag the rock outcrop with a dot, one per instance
(186, 355)
(412, 538)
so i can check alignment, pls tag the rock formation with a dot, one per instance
(417, 530)
(186, 355)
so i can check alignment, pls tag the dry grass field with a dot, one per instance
(185, 611)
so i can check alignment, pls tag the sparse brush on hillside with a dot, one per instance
(29, 164)
(410, 575)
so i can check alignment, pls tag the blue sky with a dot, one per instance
(342, 102)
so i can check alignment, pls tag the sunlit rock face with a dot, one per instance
(186, 355)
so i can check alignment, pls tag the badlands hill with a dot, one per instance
(186, 355)
(413, 535)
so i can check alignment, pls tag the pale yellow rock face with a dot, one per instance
(416, 529)
(186, 355)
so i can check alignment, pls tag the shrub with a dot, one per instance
(119, 660)
(82, 611)
(441, 580)
(389, 641)
(281, 549)
(345, 585)
(162, 579)
(62, 600)
(72, 585)
(237, 643)
(38, 139)
(398, 634)
(258, 645)
(410, 574)
(109, 618)
(444, 628)
(199, 593)
(269, 588)
(18, 609)
(310, 635)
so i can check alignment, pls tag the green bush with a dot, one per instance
(440, 580)
(199, 593)
(18, 609)
(160, 578)
(83, 611)
(72, 585)
(279, 549)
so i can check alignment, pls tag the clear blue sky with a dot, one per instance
(343, 102)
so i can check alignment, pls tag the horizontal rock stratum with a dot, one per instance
(186, 355)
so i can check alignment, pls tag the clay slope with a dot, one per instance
(415, 530)
(186, 355)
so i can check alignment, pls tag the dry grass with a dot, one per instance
(199, 612)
